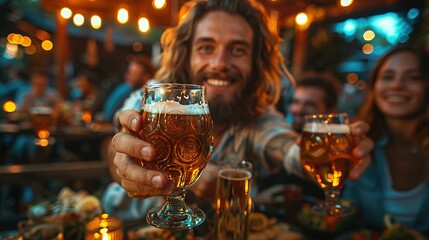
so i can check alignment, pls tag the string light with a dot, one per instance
(144, 25)
(158, 4)
(95, 22)
(122, 15)
(66, 13)
(78, 19)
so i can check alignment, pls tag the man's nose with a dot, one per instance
(220, 60)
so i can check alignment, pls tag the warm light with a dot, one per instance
(78, 20)
(10, 37)
(9, 107)
(122, 15)
(30, 50)
(42, 35)
(66, 13)
(137, 46)
(301, 19)
(367, 49)
(47, 45)
(43, 134)
(95, 22)
(144, 24)
(44, 142)
(368, 35)
(26, 41)
(352, 77)
(86, 117)
(346, 3)
(17, 39)
(158, 4)
(11, 51)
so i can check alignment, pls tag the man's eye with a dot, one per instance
(236, 51)
(205, 49)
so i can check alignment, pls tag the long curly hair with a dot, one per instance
(264, 86)
(370, 111)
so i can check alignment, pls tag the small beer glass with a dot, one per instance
(177, 122)
(233, 201)
(326, 155)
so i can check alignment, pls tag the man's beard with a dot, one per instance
(228, 113)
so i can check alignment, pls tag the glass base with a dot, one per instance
(333, 210)
(163, 217)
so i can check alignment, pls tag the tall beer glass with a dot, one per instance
(177, 122)
(233, 201)
(326, 155)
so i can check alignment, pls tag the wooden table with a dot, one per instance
(45, 172)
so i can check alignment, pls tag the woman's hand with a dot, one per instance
(363, 148)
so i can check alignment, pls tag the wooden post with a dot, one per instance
(299, 51)
(62, 52)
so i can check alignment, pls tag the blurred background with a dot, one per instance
(65, 37)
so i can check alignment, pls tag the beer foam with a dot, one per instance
(169, 106)
(41, 110)
(235, 174)
(334, 128)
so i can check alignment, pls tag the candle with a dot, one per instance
(104, 227)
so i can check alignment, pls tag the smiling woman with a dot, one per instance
(397, 110)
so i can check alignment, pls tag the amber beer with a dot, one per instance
(182, 138)
(41, 118)
(326, 153)
(233, 204)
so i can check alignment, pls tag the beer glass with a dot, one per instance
(326, 155)
(177, 122)
(233, 201)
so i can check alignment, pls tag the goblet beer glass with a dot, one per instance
(177, 122)
(326, 155)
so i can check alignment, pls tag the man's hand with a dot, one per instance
(134, 178)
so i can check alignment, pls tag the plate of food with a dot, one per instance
(326, 226)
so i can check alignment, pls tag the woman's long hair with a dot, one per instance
(370, 113)
(264, 86)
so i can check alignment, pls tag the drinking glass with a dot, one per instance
(326, 155)
(233, 201)
(177, 122)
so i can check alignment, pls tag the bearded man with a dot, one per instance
(227, 46)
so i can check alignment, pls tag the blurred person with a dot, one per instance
(16, 81)
(38, 94)
(90, 98)
(139, 71)
(227, 47)
(314, 93)
(397, 181)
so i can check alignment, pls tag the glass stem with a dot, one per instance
(331, 201)
(175, 206)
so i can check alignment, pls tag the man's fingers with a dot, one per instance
(133, 146)
(363, 148)
(140, 191)
(130, 119)
(127, 168)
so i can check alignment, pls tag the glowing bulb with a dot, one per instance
(9, 107)
(66, 13)
(158, 4)
(144, 25)
(346, 3)
(301, 19)
(95, 22)
(368, 35)
(78, 19)
(367, 49)
(47, 45)
(26, 41)
(122, 15)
